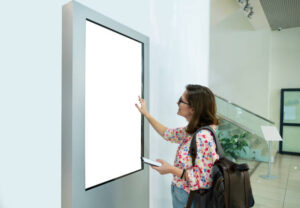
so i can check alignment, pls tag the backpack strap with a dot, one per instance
(193, 146)
(247, 188)
(222, 164)
(190, 200)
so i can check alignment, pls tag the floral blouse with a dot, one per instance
(199, 175)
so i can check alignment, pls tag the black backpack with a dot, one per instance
(231, 182)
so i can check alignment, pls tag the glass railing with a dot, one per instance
(241, 117)
(240, 133)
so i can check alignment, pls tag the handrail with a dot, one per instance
(272, 122)
(237, 124)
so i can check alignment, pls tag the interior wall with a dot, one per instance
(285, 66)
(221, 10)
(179, 53)
(30, 89)
(239, 63)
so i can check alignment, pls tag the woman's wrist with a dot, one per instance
(176, 171)
(147, 115)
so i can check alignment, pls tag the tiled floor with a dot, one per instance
(282, 192)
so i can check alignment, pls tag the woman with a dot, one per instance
(197, 104)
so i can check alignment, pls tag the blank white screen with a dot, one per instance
(113, 76)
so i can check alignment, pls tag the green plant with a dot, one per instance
(233, 145)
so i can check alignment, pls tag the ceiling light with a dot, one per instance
(247, 6)
(250, 13)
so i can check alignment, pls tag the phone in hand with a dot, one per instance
(151, 162)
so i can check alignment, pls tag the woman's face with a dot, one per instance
(184, 108)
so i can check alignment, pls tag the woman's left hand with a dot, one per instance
(165, 167)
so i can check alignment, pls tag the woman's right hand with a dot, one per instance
(155, 124)
(143, 108)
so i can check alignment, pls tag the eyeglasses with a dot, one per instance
(181, 101)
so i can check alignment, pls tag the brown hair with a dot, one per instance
(202, 101)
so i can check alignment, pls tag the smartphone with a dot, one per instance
(151, 162)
